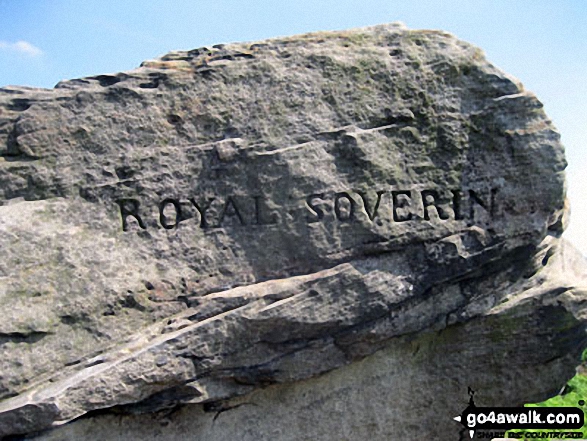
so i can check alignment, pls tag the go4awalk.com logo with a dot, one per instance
(500, 419)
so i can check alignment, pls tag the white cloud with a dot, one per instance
(23, 47)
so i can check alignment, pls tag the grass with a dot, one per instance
(575, 393)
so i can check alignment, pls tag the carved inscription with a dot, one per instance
(428, 205)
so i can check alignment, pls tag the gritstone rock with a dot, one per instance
(329, 236)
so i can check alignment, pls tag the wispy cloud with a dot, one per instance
(22, 47)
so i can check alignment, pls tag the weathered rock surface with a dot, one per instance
(409, 390)
(228, 226)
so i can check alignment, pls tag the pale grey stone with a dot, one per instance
(298, 205)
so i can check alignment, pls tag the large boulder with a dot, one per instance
(331, 235)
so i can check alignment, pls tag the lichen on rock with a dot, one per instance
(323, 214)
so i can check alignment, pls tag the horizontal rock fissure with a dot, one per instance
(244, 215)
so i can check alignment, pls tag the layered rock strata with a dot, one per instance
(242, 227)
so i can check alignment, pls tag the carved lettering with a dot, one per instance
(318, 213)
(373, 214)
(344, 211)
(430, 198)
(456, 204)
(163, 219)
(130, 207)
(262, 218)
(474, 199)
(202, 208)
(230, 209)
(406, 206)
(402, 203)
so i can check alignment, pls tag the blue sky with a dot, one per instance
(543, 43)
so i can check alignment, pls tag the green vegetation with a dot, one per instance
(575, 392)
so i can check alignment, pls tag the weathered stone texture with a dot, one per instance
(227, 226)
